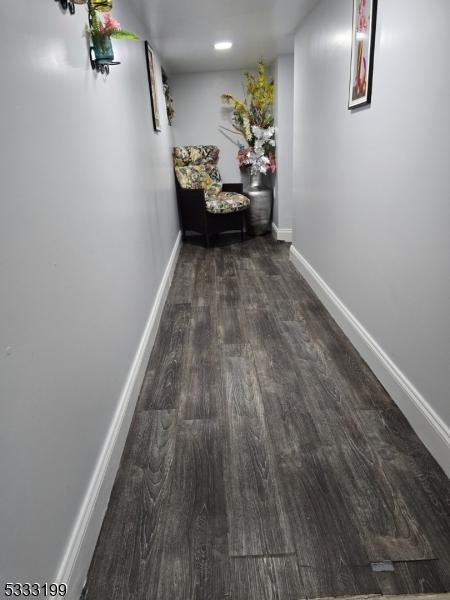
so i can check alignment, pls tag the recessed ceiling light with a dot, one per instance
(223, 45)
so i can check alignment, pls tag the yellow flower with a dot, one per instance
(260, 88)
(247, 127)
(234, 102)
(256, 108)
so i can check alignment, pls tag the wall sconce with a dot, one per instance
(101, 51)
(101, 30)
(102, 54)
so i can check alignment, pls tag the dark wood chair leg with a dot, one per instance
(206, 240)
(183, 234)
(242, 226)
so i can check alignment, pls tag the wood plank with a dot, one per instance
(127, 553)
(194, 549)
(153, 439)
(237, 351)
(202, 392)
(297, 286)
(251, 289)
(283, 306)
(426, 490)
(415, 577)
(311, 359)
(322, 396)
(182, 287)
(401, 465)
(265, 264)
(243, 254)
(204, 279)
(331, 554)
(225, 262)
(347, 579)
(389, 469)
(290, 424)
(258, 523)
(202, 339)
(229, 325)
(267, 578)
(111, 571)
(161, 386)
(388, 522)
(201, 388)
(335, 346)
(263, 330)
(227, 291)
(228, 313)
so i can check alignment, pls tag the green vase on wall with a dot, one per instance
(104, 52)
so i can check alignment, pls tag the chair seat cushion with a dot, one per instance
(196, 177)
(226, 202)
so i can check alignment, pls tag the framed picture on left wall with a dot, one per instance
(152, 85)
(363, 48)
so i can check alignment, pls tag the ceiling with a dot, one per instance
(184, 31)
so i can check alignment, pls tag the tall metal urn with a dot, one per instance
(259, 188)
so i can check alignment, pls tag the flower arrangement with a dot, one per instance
(253, 119)
(108, 26)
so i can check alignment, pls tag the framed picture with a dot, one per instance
(152, 84)
(363, 47)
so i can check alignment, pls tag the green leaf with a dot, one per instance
(122, 34)
(95, 24)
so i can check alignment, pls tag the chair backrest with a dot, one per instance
(196, 168)
(187, 156)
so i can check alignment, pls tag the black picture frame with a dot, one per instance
(152, 85)
(362, 52)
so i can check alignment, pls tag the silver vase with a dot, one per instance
(259, 188)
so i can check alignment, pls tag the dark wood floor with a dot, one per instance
(265, 461)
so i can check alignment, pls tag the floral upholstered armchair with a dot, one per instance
(206, 205)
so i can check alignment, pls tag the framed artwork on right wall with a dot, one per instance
(363, 48)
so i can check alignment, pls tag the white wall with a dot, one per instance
(200, 113)
(284, 115)
(87, 223)
(372, 187)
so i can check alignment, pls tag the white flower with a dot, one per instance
(258, 162)
(256, 156)
(264, 135)
(259, 147)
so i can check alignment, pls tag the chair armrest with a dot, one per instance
(193, 198)
(233, 187)
(192, 209)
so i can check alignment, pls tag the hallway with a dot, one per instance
(265, 460)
